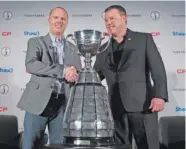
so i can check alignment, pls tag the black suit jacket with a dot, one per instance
(139, 60)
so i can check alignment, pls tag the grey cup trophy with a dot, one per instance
(88, 121)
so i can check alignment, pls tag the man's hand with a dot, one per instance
(71, 74)
(157, 104)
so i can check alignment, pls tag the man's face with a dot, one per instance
(114, 21)
(58, 21)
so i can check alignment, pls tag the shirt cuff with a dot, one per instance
(64, 71)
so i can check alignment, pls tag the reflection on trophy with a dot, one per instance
(88, 121)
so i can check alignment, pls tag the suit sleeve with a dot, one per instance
(157, 70)
(35, 66)
(97, 67)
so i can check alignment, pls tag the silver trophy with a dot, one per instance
(88, 121)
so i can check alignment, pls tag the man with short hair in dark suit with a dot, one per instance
(127, 64)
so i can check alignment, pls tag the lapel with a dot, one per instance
(49, 45)
(109, 58)
(66, 50)
(51, 48)
(128, 46)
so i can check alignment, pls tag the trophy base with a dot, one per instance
(90, 141)
(61, 146)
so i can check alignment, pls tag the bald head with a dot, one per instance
(58, 20)
(58, 8)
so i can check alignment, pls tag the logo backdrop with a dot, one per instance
(20, 21)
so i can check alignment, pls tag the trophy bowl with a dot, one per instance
(88, 41)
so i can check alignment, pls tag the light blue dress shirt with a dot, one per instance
(59, 59)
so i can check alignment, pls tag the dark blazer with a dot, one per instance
(139, 60)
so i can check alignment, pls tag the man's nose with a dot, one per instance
(109, 22)
(59, 20)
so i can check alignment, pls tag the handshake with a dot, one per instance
(71, 74)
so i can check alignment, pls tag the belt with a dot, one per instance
(56, 96)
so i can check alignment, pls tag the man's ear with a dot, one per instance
(124, 17)
(49, 19)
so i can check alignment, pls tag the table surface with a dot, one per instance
(59, 146)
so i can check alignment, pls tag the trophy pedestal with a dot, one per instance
(60, 146)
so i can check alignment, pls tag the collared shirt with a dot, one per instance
(118, 48)
(58, 49)
(58, 54)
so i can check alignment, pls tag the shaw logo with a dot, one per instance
(6, 33)
(155, 33)
(179, 109)
(178, 33)
(27, 33)
(3, 109)
(10, 70)
(181, 71)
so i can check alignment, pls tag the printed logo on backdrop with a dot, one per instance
(155, 33)
(83, 15)
(4, 89)
(178, 15)
(31, 33)
(133, 15)
(5, 51)
(7, 15)
(24, 51)
(6, 33)
(102, 15)
(181, 71)
(36, 15)
(23, 88)
(180, 109)
(175, 51)
(175, 33)
(179, 89)
(6, 70)
(3, 109)
(155, 15)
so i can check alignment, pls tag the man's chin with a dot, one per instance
(113, 34)
(59, 32)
